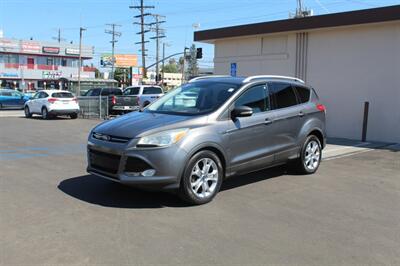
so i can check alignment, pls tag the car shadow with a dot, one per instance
(107, 193)
(38, 117)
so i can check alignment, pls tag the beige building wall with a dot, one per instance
(346, 65)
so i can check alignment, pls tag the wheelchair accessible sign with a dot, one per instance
(233, 69)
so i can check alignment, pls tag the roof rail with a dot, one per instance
(250, 78)
(208, 76)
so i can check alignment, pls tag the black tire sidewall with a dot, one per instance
(47, 113)
(27, 112)
(304, 168)
(186, 192)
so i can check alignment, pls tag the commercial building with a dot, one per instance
(29, 64)
(350, 58)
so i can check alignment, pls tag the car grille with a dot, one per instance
(105, 162)
(136, 165)
(110, 138)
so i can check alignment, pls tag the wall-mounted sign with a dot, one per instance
(72, 51)
(8, 45)
(233, 69)
(30, 47)
(8, 75)
(51, 50)
(121, 60)
(51, 74)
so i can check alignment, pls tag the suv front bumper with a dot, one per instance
(114, 162)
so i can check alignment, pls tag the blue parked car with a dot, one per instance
(12, 98)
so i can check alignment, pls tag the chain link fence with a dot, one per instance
(93, 107)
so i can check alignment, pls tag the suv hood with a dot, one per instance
(133, 124)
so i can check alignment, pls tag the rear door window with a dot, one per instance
(303, 93)
(283, 94)
(152, 90)
(62, 95)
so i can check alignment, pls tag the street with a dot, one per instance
(53, 212)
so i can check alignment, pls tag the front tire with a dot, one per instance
(27, 112)
(202, 178)
(310, 157)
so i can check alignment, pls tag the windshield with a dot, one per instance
(194, 98)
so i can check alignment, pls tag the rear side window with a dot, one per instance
(94, 92)
(152, 90)
(303, 94)
(115, 92)
(283, 95)
(6, 93)
(62, 95)
(132, 91)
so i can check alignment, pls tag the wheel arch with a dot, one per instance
(213, 147)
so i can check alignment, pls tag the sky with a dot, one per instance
(41, 19)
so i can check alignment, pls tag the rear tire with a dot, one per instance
(45, 113)
(27, 112)
(202, 178)
(73, 116)
(310, 156)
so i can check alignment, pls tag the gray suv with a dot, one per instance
(209, 129)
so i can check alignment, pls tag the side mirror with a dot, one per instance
(241, 111)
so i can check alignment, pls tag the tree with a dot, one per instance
(193, 68)
(97, 73)
(119, 74)
(170, 68)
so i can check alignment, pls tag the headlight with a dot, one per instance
(162, 139)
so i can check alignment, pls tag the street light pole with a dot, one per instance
(80, 60)
(163, 65)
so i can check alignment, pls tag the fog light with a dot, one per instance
(148, 172)
(132, 173)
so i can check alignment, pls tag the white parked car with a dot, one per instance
(49, 103)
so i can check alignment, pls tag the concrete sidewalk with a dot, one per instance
(338, 148)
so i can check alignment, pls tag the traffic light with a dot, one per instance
(199, 53)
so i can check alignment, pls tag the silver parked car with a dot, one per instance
(209, 129)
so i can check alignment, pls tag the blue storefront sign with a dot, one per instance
(8, 75)
(233, 69)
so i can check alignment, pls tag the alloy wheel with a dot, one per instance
(204, 178)
(312, 155)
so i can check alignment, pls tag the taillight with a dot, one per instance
(113, 99)
(75, 100)
(51, 100)
(321, 107)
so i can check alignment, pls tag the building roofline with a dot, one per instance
(373, 15)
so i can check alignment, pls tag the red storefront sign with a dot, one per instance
(30, 47)
(51, 50)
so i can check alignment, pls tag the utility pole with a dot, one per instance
(78, 92)
(163, 60)
(160, 33)
(114, 34)
(59, 38)
(142, 32)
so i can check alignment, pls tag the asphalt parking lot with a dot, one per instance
(52, 212)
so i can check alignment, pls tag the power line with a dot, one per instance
(114, 34)
(160, 33)
(142, 32)
(59, 38)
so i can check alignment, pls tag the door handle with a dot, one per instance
(301, 114)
